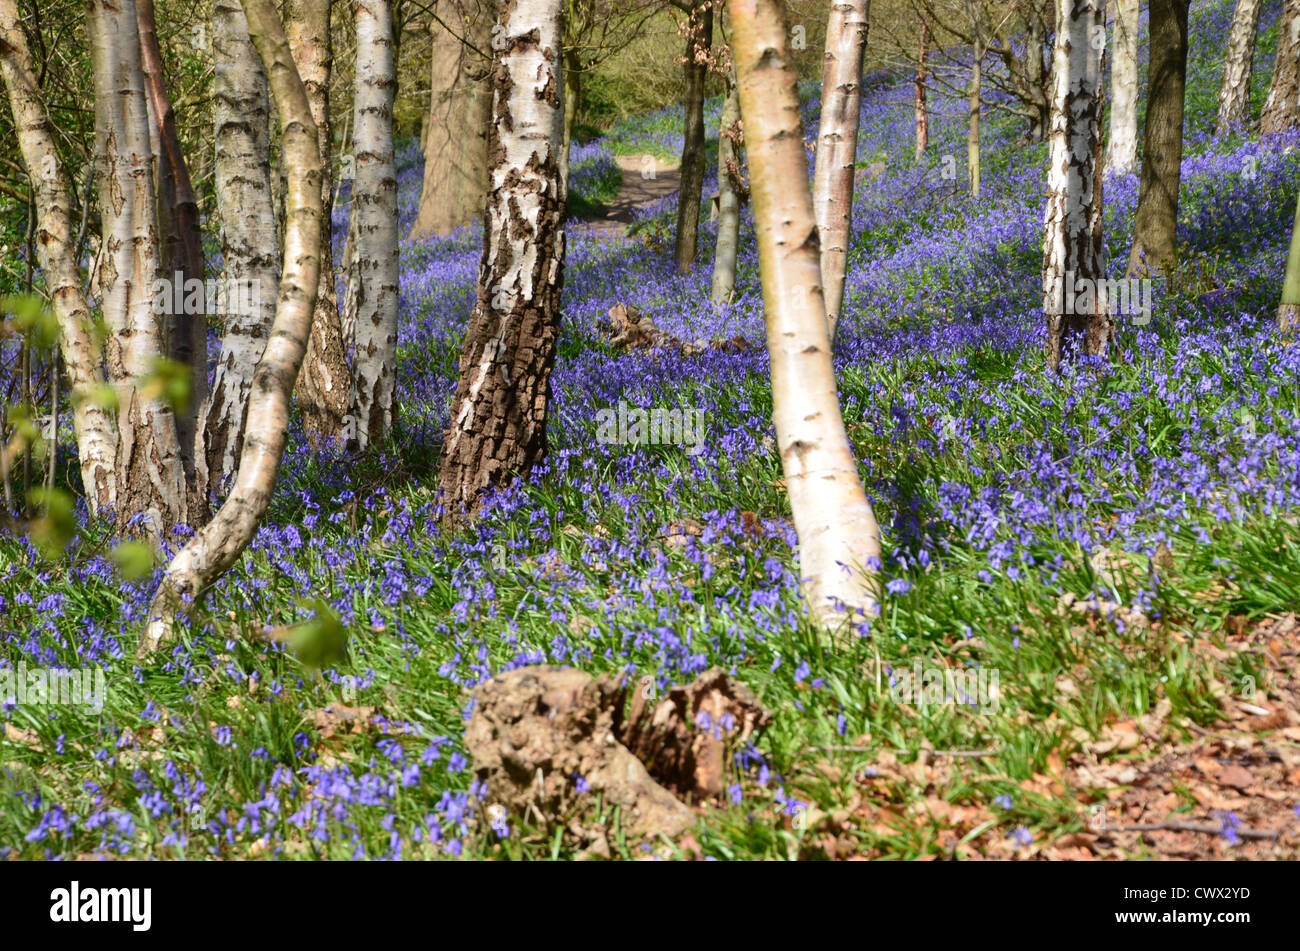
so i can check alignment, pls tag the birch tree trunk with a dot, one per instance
(1288, 311)
(460, 109)
(839, 540)
(373, 275)
(181, 242)
(837, 145)
(324, 382)
(151, 491)
(724, 252)
(691, 192)
(1156, 226)
(1282, 107)
(498, 419)
(922, 114)
(217, 546)
(1121, 155)
(973, 94)
(56, 251)
(250, 246)
(1234, 90)
(1073, 249)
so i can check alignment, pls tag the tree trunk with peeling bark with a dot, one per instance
(372, 277)
(498, 418)
(724, 252)
(837, 145)
(217, 546)
(460, 110)
(1155, 230)
(1121, 153)
(839, 539)
(151, 490)
(324, 382)
(1234, 89)
(1282, 107)
(55, 243)
(919, 106)
(1073, 249)
(691, 192)
(250, 246)
(181, 240)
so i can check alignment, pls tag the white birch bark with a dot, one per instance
(724, 251)
(837, 144)
(217, 546)
(1072, 241)
(839, 540)
(373, 275)
(250, 247)
(1234, 90)
(1121, 153)
(56, 248)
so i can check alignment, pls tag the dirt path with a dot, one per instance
(641, 186)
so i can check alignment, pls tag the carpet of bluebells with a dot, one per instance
(1167, 482)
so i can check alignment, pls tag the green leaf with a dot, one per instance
(134, 560)
(322, 641)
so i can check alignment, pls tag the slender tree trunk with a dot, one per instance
(1282, 107)
(373, 274)
(498, 419)
(56, 251)
(839, 540)
(1073, 249)
(460, 110)
(250, 246)
(1234, 90)
(837, 145)
(1288, 312)
(151, 491)
(1038, 79)
(691, 193)
(1155, 230)
(572, 100)
(217, 546)
(182, 248)
(724, 252)
(922, 114)
(324, 382)
(974, 91)
(1121, 156)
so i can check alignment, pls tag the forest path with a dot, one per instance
(642, 185)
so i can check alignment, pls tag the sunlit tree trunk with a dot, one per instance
(460, 109)
(1234, 89)
(839, 540)
(250, 246)
(1121, 153)
(973, 109)
(151, 491)
(373, 273)
(498, 418)
(837, 145)
(724, 252)
(324, 382)
(1155, 230)
(217, 546)
(922, 113)
(1288, 312)
(1282, 107)
(698, 42)
(181, 241)
(55, 248)
(1073, 249)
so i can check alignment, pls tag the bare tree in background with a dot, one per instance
(1121, 151)
(919, 95)
(1234, 90)
(839, 539)
(218, 545)
(1073, 246)
(498, 418)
